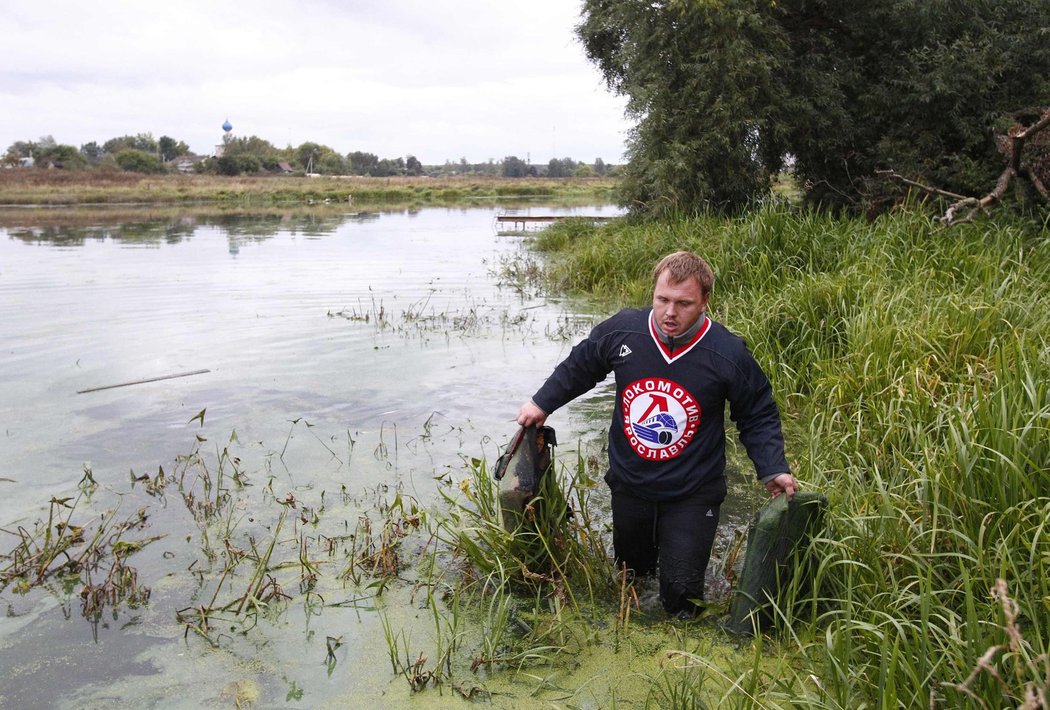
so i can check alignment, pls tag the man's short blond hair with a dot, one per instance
(683, 265)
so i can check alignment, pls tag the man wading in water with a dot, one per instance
(675, 370)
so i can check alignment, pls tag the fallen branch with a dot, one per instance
(1016, 139)
(142, 382)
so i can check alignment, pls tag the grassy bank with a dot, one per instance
(912, 366)
(57, 187)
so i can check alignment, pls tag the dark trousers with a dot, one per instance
(673, 537)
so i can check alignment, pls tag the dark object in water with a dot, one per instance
(776, 546)
(145, 381)
(520, 470)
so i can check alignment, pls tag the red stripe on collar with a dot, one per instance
(670, 356)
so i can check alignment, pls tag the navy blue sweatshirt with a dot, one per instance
(667, 437)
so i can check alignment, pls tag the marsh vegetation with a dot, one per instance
(57, 187)
(911, 365)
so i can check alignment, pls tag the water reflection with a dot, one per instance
(75, 226)
(73, 229)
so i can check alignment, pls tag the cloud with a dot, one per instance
(437, 79)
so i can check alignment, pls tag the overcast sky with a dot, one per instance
(438, 79)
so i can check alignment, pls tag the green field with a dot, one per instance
(55, 187)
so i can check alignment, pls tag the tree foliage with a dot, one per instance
(389, 167)
(63, 156)
(18, 152)
(724, 91)
(46, 153)
(138, 161)
(362, 163)
(331, 163)
(238, 164)
(515, 167)
(564, 167)
(170, 148)
(142, 141)
(244, 156)
(92, 152)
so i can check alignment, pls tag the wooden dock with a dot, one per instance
(520, 222)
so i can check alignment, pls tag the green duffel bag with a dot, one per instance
(777, 544)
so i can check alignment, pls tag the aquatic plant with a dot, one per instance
(502, 600)
(90, 554)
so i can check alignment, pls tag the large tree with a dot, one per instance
(170, 148)
(724, 91)
(19, 151)
(61, 156)
(362, 163)
(515, 167)
(138, 161)
(142, 141)
(566, 167)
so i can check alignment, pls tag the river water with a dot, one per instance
(340, 358)
(351, 323)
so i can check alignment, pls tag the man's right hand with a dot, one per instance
(784, 483)
(530, 415)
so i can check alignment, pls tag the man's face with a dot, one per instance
(677, 306)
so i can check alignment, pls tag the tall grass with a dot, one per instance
(542, 587)
(912, 366)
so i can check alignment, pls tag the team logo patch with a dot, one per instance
(660, 418)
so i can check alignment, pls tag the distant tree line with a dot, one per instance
(140, 153)
(513, 166)
(252, 155)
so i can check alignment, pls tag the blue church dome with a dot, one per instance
(227, 126)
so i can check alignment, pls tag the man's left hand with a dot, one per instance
(783, 483)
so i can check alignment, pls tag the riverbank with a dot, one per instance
(911, 365)
(56, 187)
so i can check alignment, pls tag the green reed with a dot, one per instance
(555, 550)
(507, 601)
(911, 364)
